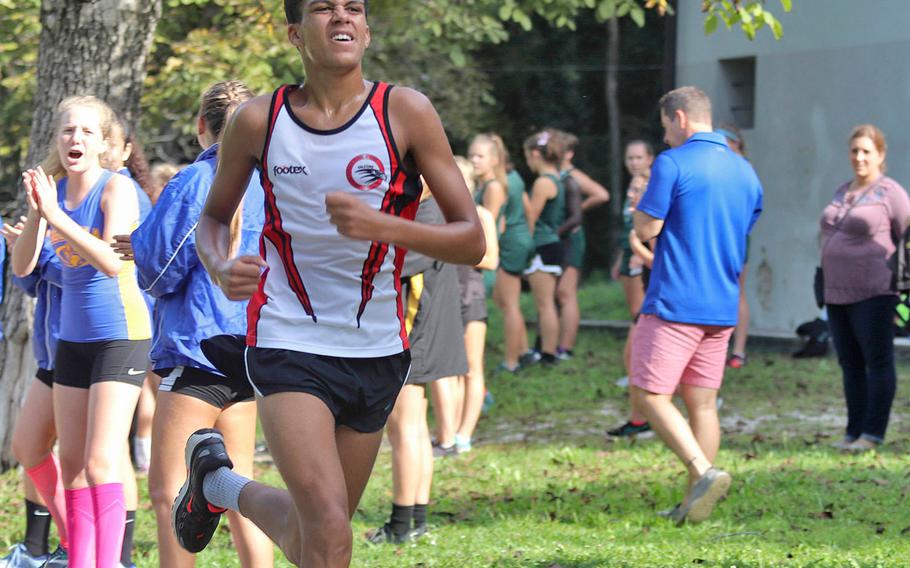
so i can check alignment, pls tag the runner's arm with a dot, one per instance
(238, 156)
(490, 260)
(420, 136)
(594, 193)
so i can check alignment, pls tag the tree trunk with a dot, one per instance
(87, 47)
(613, 130)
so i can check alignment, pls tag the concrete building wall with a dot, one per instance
(839, 64)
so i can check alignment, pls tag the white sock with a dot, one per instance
(143, 449)
(222, 488)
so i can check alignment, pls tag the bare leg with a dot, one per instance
(176, 417)
(34, 433)
(71, 413)
(142, 437)
(507, 295)
(702, 406)
(671, 426)
(146, 407)
(128, 474)
(475, 337)
(238, 424)
(741, 333)
(325, 471)
(442, 392)
(110, 413)
(569, 315)
(425, 453)
(404, 429)
(543, 286)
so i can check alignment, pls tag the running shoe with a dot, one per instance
(629, 429)
(57, 559)
(861, 445)
(843, 443)
(669, 513)
(707, 491)
(528, 359)
(736, 361)
(385, 535)
(503, 368)
(193, 518)
(444, 452)
(488, 402)
(20, 558)
(564, 354)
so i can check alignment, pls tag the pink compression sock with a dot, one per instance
(110, 516)
(47, 481)
(80, 522)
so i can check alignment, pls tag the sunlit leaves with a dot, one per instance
(749, 15)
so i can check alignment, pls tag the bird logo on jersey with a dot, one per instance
(65, 251)
(366, 172)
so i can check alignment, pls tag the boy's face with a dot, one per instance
(333, 33)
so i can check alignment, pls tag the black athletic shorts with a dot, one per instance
(217, 390)
(81, 365)
(360, 392)
(46, 376)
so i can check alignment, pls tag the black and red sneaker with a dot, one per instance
(195, 519)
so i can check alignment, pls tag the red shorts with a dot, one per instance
(667, 354)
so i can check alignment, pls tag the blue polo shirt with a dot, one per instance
(709, 198)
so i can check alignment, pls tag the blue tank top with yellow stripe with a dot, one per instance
(94, 306)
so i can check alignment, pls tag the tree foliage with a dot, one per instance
(431, 45)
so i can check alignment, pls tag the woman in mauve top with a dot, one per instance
(861, 228)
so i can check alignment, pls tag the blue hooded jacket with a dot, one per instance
(44, 284)
(189, 306)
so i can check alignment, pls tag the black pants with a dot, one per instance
(863, 336)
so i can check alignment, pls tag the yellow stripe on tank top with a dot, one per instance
(415, 291)
(138, 325)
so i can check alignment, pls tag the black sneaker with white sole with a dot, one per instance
(195, 519)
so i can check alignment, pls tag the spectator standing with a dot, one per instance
(702, 200)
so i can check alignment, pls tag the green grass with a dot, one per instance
(544, 487)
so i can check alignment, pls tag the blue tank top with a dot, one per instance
(94, 306)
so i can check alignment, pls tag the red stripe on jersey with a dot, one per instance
(273, 229)
(259, 299)
(392, 202)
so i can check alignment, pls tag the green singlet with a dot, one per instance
(516, 247)
(552, 216)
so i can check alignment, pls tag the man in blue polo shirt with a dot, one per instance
(700, 205)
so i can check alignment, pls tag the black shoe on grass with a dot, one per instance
(385, 535)
(193, 518)
(629, 429)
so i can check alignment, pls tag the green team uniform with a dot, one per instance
(552, 216)
(516, 248)
(575, 251)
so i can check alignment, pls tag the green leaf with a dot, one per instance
(458, 57)
(638, 16)
(605, 10)
(777, 29)
(505, 11)
(745, 16)
(787, 5)
(711, 24)
(623, 10)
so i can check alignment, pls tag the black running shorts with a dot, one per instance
(217, 390)
(46, 376)
(81, 365)
(360, 392)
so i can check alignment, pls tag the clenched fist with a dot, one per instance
(354, 218)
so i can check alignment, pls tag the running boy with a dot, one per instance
(327, 349)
